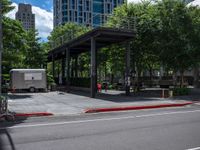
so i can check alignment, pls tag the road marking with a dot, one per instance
(196, 148)
(95, 120)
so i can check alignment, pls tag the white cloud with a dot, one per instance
(195, 3)
(134, 1)
(11, 14)
(43, 20)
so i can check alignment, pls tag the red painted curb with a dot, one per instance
(94, 110)
(34, 114)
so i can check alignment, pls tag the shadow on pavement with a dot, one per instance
(6, 140)
(4, 134)
(143, 95)
(120, 97)
(16, 96)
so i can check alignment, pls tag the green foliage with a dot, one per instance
(83, 64)
(35, 54)
(110, 87)
(6, 77)
(6, 6)
(181, 91)
(1, 98)
(14, 40)
(167, 32)
(143, 19)
(177, 30)
(50, 80)
(21, 49)
(65, 33)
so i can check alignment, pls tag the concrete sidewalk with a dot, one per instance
(60, 103)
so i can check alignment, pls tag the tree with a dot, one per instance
(6, 6)
(66, 33)
(177, 31)
(194, 13)
(143, 19)
(167, 33)
(21, 49)
(35, 53)
(14, 40)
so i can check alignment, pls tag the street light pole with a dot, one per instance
(1, 46)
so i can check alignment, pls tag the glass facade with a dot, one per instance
(88, 12)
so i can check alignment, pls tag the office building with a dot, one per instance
(26, 16)
(88, 12)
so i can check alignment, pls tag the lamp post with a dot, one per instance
(1, 45)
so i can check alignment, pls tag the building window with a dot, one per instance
(87, 6)
(80, 20)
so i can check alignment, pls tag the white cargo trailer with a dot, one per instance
(31, 79)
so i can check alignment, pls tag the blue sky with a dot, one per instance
(44, 4)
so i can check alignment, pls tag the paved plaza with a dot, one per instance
(61, 103)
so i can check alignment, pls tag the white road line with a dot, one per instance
(196, 148)
(95, 120)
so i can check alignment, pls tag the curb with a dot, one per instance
(33, 114)
(95, 110)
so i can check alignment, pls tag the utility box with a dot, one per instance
(28, 79)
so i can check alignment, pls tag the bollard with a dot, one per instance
(163, 93)
(13, 90)
(170, 93)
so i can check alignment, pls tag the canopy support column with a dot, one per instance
(93, 68)
(67, 52)
(63, 70)
(76, 66)
(53, 66)
(127, 74)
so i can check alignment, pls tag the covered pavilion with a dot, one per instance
(92, 41)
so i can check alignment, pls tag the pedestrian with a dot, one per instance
(106, 87)
(99, 87)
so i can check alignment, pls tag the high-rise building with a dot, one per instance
(88, 12)
(26, 16)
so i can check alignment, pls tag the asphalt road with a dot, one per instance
(158, 129)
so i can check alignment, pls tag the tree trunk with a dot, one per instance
(174, 79)
(105, 71)
(112, 78)
(196, 77)
(181, 78)
(138, 80)
(99, 73)
(151, 76)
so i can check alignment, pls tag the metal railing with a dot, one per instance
(4, 112)
(3, 104)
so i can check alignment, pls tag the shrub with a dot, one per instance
(80, 82)
(6, 77)
(110, 87)
(50, 80)
(181, 91)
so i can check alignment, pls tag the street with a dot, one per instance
(156, 129)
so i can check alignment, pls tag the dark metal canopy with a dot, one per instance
(103, 37)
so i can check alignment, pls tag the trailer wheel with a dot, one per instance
(32, 89)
